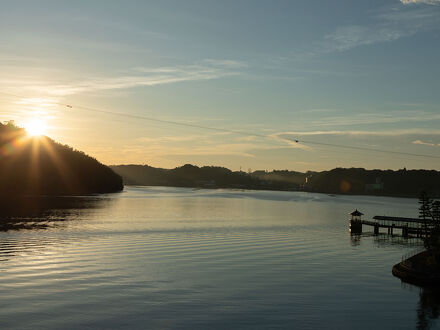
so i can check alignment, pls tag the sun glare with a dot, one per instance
(35, 127)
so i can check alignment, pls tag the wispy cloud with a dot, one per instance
(148, 77)
(389, 24)
(140, 76)
(292, 136)
(425, 143)
(398, 140)
(347, 37)
(322, 110)
(221, 149)
(428, 2)
(230, 64)
(213, 144)
(392, 117)
(167, 139)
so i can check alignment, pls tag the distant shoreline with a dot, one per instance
(250, 189)
(342, 181)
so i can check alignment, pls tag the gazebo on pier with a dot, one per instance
(356, 215)
(407, 225)
(356, 222)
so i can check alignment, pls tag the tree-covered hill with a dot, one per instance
(407, 183)
(186, 176)
(375, 182)
(206, 177)
(41, 166)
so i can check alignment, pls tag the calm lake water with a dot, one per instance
(176, 258)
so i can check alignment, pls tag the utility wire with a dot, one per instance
(368, 149)
(238, 132)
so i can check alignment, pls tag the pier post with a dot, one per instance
(376, 229)
(405, 231)
(392, 227)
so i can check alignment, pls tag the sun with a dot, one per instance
(35, 127)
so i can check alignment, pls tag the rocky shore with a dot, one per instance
(423, 269)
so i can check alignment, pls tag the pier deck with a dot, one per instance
(406, 225)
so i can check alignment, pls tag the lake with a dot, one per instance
(180, 258)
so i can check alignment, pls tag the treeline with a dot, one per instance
(408, 183)
(41, 166)
(208, 177)
(185, 176)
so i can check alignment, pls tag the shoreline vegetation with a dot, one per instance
(423, 269)
(351, 181)
(38, 166)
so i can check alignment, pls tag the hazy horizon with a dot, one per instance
(361, 74)
(263, 169)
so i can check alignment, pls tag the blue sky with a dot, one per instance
(358, 73)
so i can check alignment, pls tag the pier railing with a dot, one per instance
(408, 226)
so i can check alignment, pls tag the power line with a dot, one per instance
(225, 130)
(368, 149)
(164, 121)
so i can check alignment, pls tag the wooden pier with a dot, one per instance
(406, 226)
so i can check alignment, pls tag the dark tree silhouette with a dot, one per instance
(429, 211)
(41, 166)
(425, 208)
(435, 213)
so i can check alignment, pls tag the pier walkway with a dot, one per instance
(408, 226)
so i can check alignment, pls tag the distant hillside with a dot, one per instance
(205, 177)
(293, 177)
(40, 166)
(358, 181)
(185, 176)
(375, 182)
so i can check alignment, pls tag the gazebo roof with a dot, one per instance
(356, 213)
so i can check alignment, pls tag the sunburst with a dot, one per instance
(35, 127)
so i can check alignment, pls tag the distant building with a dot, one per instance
(377, 186)
(308, 177)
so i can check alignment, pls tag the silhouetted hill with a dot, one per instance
(40, 166)
(375, 182)
(186, 176)
(358, 181)
(206, 177)
(293, 177)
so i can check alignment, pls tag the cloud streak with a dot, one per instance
(393, 117)
(149, 77)
(137, 77)
(389, 24)
(388, 133)
(208, 145)
(427, 2)
(351, 36)
(425, 143)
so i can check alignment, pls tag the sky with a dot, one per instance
(363, 74)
